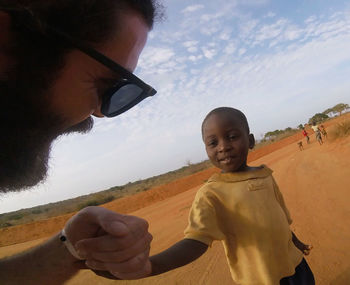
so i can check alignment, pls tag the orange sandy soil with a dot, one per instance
(315, 184)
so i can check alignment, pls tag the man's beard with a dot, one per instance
(27, 131)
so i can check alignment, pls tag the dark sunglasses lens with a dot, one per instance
(123, 97)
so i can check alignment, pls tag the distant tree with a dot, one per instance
(288, 129)
(301, 126)
(271, 135)
(328, 111)
(317, 118)
(339, 108)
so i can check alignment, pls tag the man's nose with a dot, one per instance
(98, 113)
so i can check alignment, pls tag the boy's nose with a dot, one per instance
(224, 146)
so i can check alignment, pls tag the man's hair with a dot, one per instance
(231, 112)
(89, 21)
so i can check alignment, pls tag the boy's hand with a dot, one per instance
(306, 248)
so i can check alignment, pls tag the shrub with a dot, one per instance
(5, 225)
(97, 201)
(341, 130)
(16, 217)
(36, 211)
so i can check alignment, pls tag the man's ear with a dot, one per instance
(5, 27)
(251, 141)
(5, 23)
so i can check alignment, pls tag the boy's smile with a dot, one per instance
(227, 141)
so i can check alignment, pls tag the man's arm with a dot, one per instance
(116, 243)
(49, 263)
(180, 254)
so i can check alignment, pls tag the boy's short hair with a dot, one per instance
(230, 111)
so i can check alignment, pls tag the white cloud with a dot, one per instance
(208, 52)
(230, 48)
(271, 31)
(190, 43)
(157, 59)
(241, 51)
(192, 49)
(225, 35)
(270, 15)
(195, 58)
(192, 8)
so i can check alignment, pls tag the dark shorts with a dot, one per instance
(303, 276)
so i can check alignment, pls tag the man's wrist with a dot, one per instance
(70, 247)
(65, 256)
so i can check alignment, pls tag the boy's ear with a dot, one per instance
(251, 141)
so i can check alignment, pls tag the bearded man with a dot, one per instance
(61, 62)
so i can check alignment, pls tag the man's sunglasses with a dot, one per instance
(123, 95)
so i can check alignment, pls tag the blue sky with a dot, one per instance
(280, 62)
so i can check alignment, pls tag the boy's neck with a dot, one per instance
(245, 168)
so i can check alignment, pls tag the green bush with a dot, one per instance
(16, 217)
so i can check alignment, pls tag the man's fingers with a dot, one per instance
(96, 265)
(142, 245)
(144, 272)
(136, 225)
(108, 248)
(104, 243)
(118, 224)
(129, 267)
(97, 221)
(114, 227)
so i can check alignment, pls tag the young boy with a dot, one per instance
(317, 131)
(243, 207)
(323, 131)
(306, 135)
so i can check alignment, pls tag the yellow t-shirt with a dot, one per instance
(246, 211)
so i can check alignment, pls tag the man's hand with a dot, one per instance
(111, 242)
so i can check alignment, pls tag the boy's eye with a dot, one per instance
(212, 143)
(232, 136)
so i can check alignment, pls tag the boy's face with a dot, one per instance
(227, 141)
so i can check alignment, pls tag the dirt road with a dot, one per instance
(315, 184)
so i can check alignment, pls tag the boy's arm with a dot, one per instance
(304, 248)
(180, 254)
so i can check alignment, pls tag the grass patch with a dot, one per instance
(99, 200)
(340, 130)
(16, 217)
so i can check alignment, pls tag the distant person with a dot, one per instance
(317, 131)
(300, 145)
(306, 135)
(323, 131)
(243, 207)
